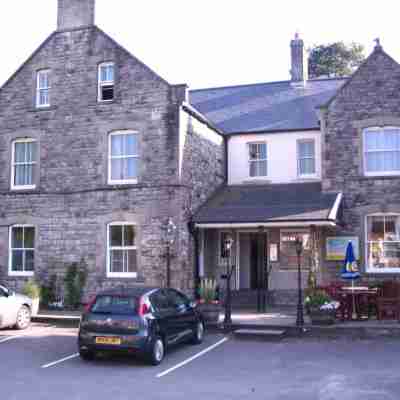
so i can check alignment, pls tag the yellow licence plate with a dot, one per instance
(108, 340)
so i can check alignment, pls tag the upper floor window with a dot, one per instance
(383, 243)
(106, 81)
(123, 161)
(22, 250)
(306, 158)
(43, 88)
(122, 250)
(24, 164)
(382, 151)
(258, 159)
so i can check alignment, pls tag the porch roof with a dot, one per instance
(299, 204)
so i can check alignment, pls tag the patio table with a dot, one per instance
(365, 299)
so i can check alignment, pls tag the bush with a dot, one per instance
(208, 290)
(74, 282)
(31, 289)
(317, 298)
(48, 291)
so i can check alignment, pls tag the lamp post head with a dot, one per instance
(170, 232)
(299, 245)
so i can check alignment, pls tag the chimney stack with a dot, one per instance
(75, 14)
(299, 71)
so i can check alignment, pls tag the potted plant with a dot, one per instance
(208, 304)
(321, 308)
(32, 290)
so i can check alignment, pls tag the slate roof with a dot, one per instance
(265, 107)
(296, 202)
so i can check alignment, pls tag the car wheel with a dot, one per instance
(86, 355)
(156, 352)
(23, 318)
(198, 333)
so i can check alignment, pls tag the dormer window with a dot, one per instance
(43, 88)
(258, 159)
(106, 82)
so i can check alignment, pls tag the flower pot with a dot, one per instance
(322, 317)
(210, 312)
(35, 306)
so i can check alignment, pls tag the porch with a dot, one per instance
(261, 223)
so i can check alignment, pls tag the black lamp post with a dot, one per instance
(170, 230)
(228, 243)
(300, 316)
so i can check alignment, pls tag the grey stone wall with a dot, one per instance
(370, 98)
(75, 13)
(72, 203)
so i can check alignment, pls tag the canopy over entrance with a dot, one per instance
(273, 205)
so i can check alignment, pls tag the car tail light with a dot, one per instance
(88, 306)
(143, 308)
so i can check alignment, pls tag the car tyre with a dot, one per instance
(86, 355)
(156, 351)
(23, 318)
(198, 333)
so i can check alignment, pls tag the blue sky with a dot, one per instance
(209, 42)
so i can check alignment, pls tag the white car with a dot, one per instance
(15, 309)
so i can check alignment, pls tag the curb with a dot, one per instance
(71, 320)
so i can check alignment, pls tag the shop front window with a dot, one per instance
(383, 243)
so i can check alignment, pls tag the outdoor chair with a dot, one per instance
(388, 301)
(345, 308)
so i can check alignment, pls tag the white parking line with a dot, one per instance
(6, 339)
(60, 361)
(192, 358)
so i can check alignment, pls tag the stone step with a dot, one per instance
(260, 333)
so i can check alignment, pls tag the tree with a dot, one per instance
(335, 59)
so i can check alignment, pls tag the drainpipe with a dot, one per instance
(195, 234)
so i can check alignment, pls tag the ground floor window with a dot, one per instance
(288, 255)
(122, 250)
(22, 250)
(383, 243)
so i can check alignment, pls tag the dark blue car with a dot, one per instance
(141, 321)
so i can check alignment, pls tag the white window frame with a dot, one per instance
(109, 247)
(39, 89)
(258, 160)
(13, 164)
(111, 157)
(365, 151)
(299, 174)
(10, 271)
(104, 83)
(368, 269)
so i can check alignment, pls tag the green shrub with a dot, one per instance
(74, 283)
(31, 289)
(208, 290)
(317, 298)
(48, 291)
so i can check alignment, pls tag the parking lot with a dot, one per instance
(42, 363)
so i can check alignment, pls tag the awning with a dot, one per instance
(272, 205)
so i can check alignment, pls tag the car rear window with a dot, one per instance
(115, 305)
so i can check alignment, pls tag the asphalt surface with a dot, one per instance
(233, 369)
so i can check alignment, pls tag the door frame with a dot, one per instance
(238, 232)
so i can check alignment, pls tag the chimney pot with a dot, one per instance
(75, 14)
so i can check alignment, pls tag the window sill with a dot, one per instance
(38, 109)
(382, 271)
(123, 183)
(21, 274)
(23, 188)
(125, 276)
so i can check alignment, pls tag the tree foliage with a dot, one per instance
(335, 59)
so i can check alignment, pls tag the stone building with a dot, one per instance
(97, 154)
(317, 159)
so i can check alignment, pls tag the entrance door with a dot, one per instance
(252, 260)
